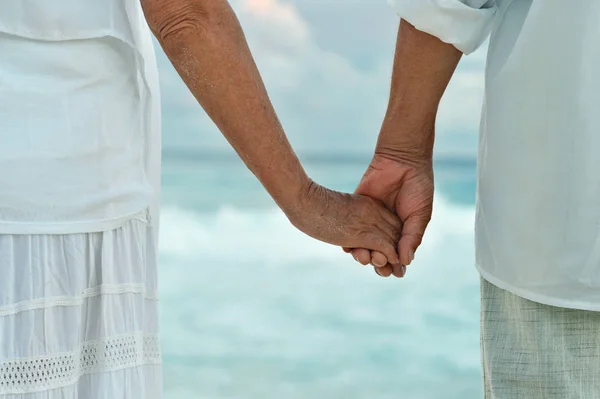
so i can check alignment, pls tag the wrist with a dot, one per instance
(407, 141)
(294, 194)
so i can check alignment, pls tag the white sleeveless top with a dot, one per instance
(79, 116)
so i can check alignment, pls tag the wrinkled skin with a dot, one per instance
(348, 220)
(406, 188)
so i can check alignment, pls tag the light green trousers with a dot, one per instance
(531, 350)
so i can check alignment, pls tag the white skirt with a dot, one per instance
(78, 315)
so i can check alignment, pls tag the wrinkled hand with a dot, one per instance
(348, 220)
(406, 187)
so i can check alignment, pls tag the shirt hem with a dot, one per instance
(539, 298)
(96, 226)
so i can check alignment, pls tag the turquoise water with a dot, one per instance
(251, 308)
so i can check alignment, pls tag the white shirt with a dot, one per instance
(538, 195)
(79, 116)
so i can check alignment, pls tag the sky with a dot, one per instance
(327, 67)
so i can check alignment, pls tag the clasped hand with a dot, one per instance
(382, 223)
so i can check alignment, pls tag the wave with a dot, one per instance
(248, 298)
(267, 233)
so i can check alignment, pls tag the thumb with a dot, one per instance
(412, 235)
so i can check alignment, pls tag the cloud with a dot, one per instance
(273, 17)
(327, 68)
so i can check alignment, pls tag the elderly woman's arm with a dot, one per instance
(205, 43)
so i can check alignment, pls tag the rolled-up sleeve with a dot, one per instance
(463, 23)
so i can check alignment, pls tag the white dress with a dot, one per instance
(79, 194)
(78, 315)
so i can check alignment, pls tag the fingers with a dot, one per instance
(392, 230)
(378, 259)
(412, 235)
(398, 270)
(379, 262)
(391, 227)
(384, 244)
(362, 256)
(385, 271)
(389, 222)
(392, 220)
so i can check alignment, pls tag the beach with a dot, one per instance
(252, 308)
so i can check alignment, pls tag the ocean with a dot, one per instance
(252, 308)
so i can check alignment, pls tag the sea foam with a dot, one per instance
(253, 308)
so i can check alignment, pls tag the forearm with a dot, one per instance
(205, 43)
(423, 66)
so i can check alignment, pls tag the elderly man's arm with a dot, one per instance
(423, 66)
(401, 172)
(433, 35)
(205, 43)
(427, 52)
